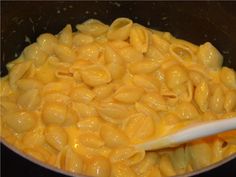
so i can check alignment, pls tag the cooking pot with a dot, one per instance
(196, 22)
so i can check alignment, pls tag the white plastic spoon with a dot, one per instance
(190, 133)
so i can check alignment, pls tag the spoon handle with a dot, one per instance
(190, 133)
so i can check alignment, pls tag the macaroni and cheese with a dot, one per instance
(80, 100)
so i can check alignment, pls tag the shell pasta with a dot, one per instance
(80, 100)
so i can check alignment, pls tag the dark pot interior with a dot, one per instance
(196, 22)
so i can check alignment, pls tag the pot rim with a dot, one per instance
(63, 172)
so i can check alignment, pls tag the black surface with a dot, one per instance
(194, 21)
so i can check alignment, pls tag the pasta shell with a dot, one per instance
(65, 36)
(150, 159)
(80, 39)
(187, 44)
(201, 96)
(47, 42)
(71, 117)
(143, 67)
(30, 100)
(57, 87)
(34, 53)
(7, 107)
(228, 77)
(95, 75)
(91, 140)
(113, 112)
(73, 162)
(230, 101)
(35, 153)
(216, 101)
(196, 77)
(154, 54)
(182, 53)
(91, 52)
(54, 113)
(98, 166)
(166, 166)
(139, 126)
(155, 101)
(57, 97)
(18, 71)
(159, 43)
(56, 137)
(113, 137)
(111, 56)
(82, 94)
(119, 29)
(130, 54)
(119, 44)
(21, 121)
(128, 94)
(127, 155)
(139, 38)
(90, 123)
(179, 160)
(34, 138)
(84, 110)
(103, 91)
(92, 27)
(201, 147)
(141, 108)
(144, 82)
(122, 170)
(209, 56)
(45, 73)
(186, 111)
(65, 54)
(116, 70)
(175, 76)
(27, 84)
(64, 74)
(5, 89)
(171, 119)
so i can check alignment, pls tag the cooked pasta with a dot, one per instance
(81, 100)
